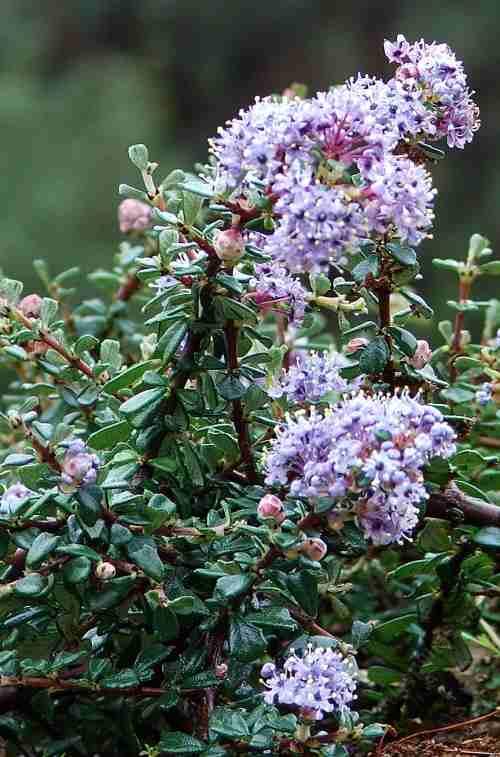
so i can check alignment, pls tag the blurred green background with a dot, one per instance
(82, 79)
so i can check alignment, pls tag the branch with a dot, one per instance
(54, 344)
(129, 287)
(474, 510)
(58, 684)
(238, 415)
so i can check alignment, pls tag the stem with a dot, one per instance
(474, 510)
(44, 453)
(384, 309)
(50, 341)
(239, 418)
(448, 584)
(37, 682)
(463, 296)
(129, 287)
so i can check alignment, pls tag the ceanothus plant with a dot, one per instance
(245, 509)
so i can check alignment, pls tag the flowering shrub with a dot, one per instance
(245, 509)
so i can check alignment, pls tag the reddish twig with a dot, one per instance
(129, 287)
(447, 728)
(238, 414)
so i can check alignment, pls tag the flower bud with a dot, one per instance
(105, 571)
(229, 245)
(422, 355)
(336, 520)
(314, 549)
(36, 347)
(355, 344)
(271, 507)
(79, 467)
(268, 670)
(134, 215)
(221, 670)
(30, 306)
(12, 499)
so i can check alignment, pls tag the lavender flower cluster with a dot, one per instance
(319, 682)
(334, 164)
(79, 467)
(368, 452)
(12, 499)
(311, 377)
(274, 289)
(484, 394)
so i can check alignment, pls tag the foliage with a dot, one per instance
(156, 574)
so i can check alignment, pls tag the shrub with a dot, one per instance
(245, 509)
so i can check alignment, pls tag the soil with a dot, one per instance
(479, 740)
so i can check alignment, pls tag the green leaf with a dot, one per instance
(272, 618)
(114, 591)
(191, 204)
(48, 311)
(171, 339)
(383, 676)
(404, 340)
(375, 356)
(43, 545)
(128, 376)
(247, 642)
(304, 588)
(392, 629)
(412, 569)
(141, 400)
(121, 680)
(371, 265)
(231, 388)
(229, 723)
(434, 536)
(448, 264)
(360, 633)
(230, 587)
(492, 268)
(32, 586)
(175, 742)
(417, 303)
(146, 557)
(139, 156)
(488, 537)
(401, 253)
(107, 437)
(79, 550)
(77, 570)
(183, 605)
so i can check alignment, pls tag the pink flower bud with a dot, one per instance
(271, 507)
(134, 215)
(314, 549)
(229, 245)
(355, 344)
(422, 355)
(221, 670)
(105, 571)
(36, 347)
(30, 306)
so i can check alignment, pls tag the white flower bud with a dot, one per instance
(105, 571)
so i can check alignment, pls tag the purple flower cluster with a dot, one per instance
(319, 682)
(312, 377)
(368, 451)
(433, 73)
(331, 161)
(484, 394)
(274, 289)
(79, 467)
(13, 498)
